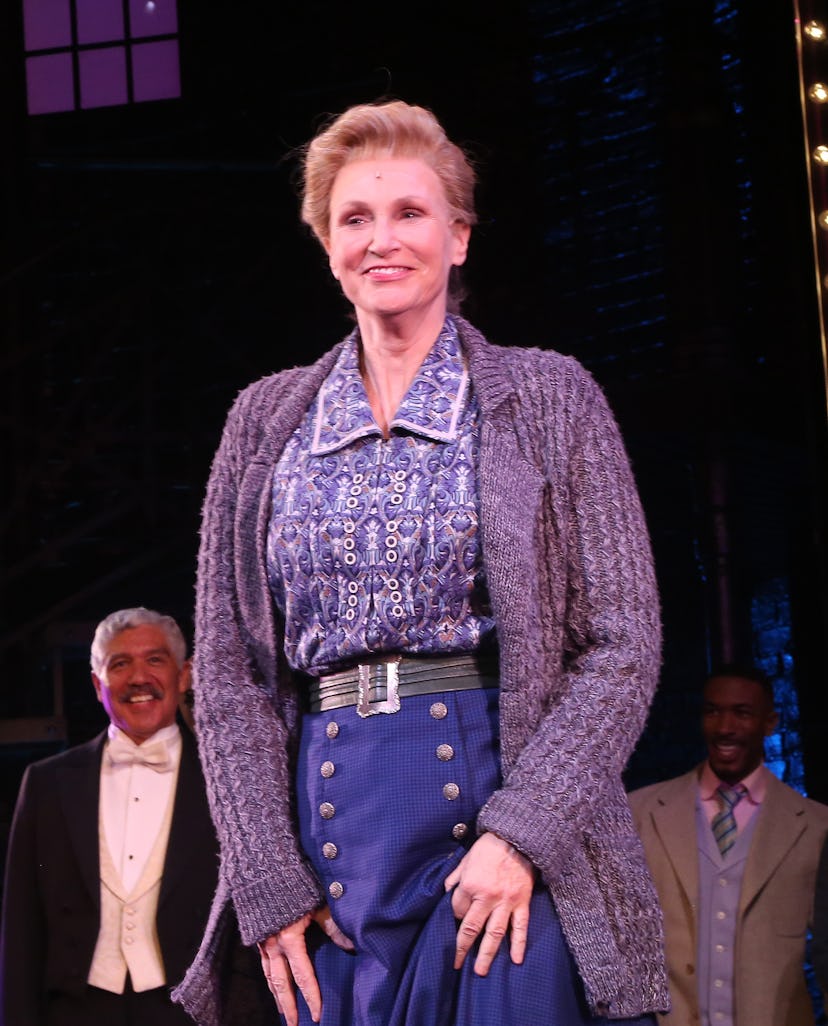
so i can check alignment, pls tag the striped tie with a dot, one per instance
(724, 822)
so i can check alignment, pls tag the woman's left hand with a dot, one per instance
(492, 889)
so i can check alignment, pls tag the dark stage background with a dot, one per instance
(644, 206)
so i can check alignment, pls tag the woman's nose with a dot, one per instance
(383, 239)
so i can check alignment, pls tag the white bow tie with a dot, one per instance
(121, 752)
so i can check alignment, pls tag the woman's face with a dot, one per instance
(393, 240)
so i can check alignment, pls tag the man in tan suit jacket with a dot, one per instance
(737, 964)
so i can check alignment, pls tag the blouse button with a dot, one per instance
(332, 729)
(330, 850)
(445, 753)
(336, 890)
(439, 711)
(326, 810)
(459, 831)
(451, 791)
(327, 769)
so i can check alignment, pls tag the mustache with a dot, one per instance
(135, 690)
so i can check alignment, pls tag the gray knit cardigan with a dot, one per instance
(570, 574)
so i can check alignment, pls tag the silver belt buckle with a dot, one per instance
(391, 702)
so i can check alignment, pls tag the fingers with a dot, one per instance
(496, 926)
(305, 979)
(286, 966)
(520, 932)
(275, 971)
(461, 902)
(323, 917)
(492, 929)
(469, 929)
(453, 878)
(492, 891)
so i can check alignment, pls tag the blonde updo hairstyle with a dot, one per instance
(389, 129)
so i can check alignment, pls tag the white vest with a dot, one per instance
(128, 937)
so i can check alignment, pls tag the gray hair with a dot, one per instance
(123, 620)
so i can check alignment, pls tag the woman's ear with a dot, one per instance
(326, 245)
(462, 233)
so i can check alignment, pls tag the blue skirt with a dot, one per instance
(387, 808)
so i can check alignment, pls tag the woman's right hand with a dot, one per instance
(285, 963)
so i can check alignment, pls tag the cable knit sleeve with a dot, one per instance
(580, 667)
(245, 721)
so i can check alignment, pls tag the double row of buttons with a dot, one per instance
(327, 810)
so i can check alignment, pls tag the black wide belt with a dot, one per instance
(377, 687)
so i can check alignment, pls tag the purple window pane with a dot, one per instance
(152, 18)
(46, 24)
(99, 21)
(155, 74)
(49, 83)
(103, 77)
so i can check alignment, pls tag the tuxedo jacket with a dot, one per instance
(51, 906)
(775, 905)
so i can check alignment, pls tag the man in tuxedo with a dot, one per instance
(734, 853)
(112, 858)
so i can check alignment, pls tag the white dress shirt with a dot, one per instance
(134, 797)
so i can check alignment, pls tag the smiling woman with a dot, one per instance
(392, 243)
(390, 221)
(426, 640)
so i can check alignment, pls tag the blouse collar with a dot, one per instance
(431, 407)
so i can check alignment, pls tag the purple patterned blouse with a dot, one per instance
(373, 543)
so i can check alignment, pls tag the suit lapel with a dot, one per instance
(79, 790)
(780, 824)
(190, 812)
(674, 820)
